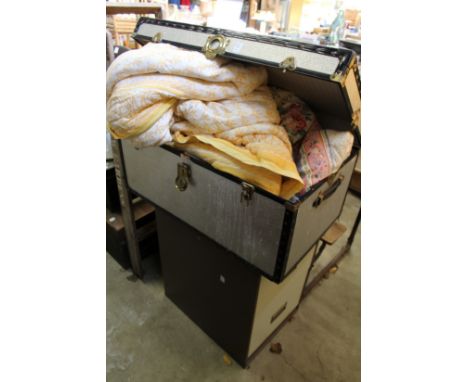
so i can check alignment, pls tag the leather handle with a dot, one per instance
(278, 313)
(329, 192)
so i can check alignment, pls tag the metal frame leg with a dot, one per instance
(127, 211)
(317, 255)
(109, 47)
(335, 260)
(124, 190)
(354, 230)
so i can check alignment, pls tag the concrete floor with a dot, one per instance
(149, 339)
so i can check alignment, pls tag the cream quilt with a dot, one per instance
(218, 110)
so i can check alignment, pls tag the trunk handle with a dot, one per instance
(329, 192)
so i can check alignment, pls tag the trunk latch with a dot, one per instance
(288, 63)
(157, 37)
(183, 176)
(247, 193)
(215, 45)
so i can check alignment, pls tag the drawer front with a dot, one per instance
(276, 301)
(314, 218)
(211, 204)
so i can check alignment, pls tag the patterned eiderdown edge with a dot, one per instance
(317, 153)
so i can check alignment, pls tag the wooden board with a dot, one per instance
(334, 233)
(135, 8)
(140, 209)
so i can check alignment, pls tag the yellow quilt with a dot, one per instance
(218, 110)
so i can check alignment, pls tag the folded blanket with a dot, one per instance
(318, 152)
(219, 110)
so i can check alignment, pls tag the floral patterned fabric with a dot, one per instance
(318, 152)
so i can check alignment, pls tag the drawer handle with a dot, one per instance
(329, 192)
(183, 176)
(277, 314)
